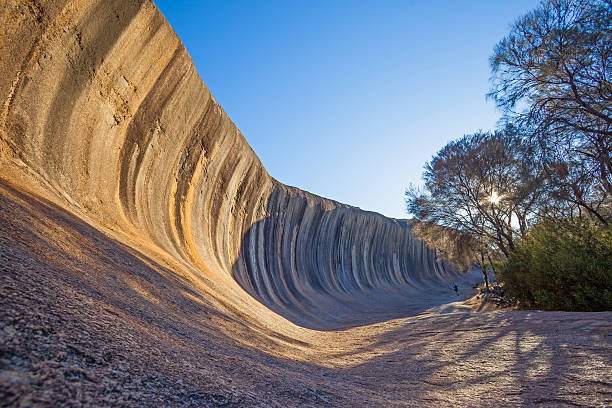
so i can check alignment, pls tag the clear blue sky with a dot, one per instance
(347, 98)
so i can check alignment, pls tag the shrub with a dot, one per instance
(562, 265)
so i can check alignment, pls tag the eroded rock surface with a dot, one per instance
(103, 104)
(148, 256)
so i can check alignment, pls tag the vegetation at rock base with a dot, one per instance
(534, 198)
(562, 265)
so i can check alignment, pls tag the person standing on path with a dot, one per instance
(456, 288)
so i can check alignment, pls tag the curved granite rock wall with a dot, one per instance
(323, 264)
(103, 105)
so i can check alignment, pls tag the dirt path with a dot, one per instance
(85, 322)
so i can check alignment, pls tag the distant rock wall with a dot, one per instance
(319, 263)
(103, 105)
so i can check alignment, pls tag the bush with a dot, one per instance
(562, 265)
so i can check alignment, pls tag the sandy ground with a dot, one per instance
(86, 321)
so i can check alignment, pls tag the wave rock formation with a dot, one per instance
(103, 104)
(148, 259)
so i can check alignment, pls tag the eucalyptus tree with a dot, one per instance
(486, 185)
(552, 73)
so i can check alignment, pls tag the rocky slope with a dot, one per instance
(138, 222)
(103, 104)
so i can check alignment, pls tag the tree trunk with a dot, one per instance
(484, 271)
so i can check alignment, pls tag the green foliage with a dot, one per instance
(562, 265)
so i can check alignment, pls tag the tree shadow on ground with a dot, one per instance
(515, 358)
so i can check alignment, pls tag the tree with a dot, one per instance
(572, 186)
(485, 185)
(552, 73)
